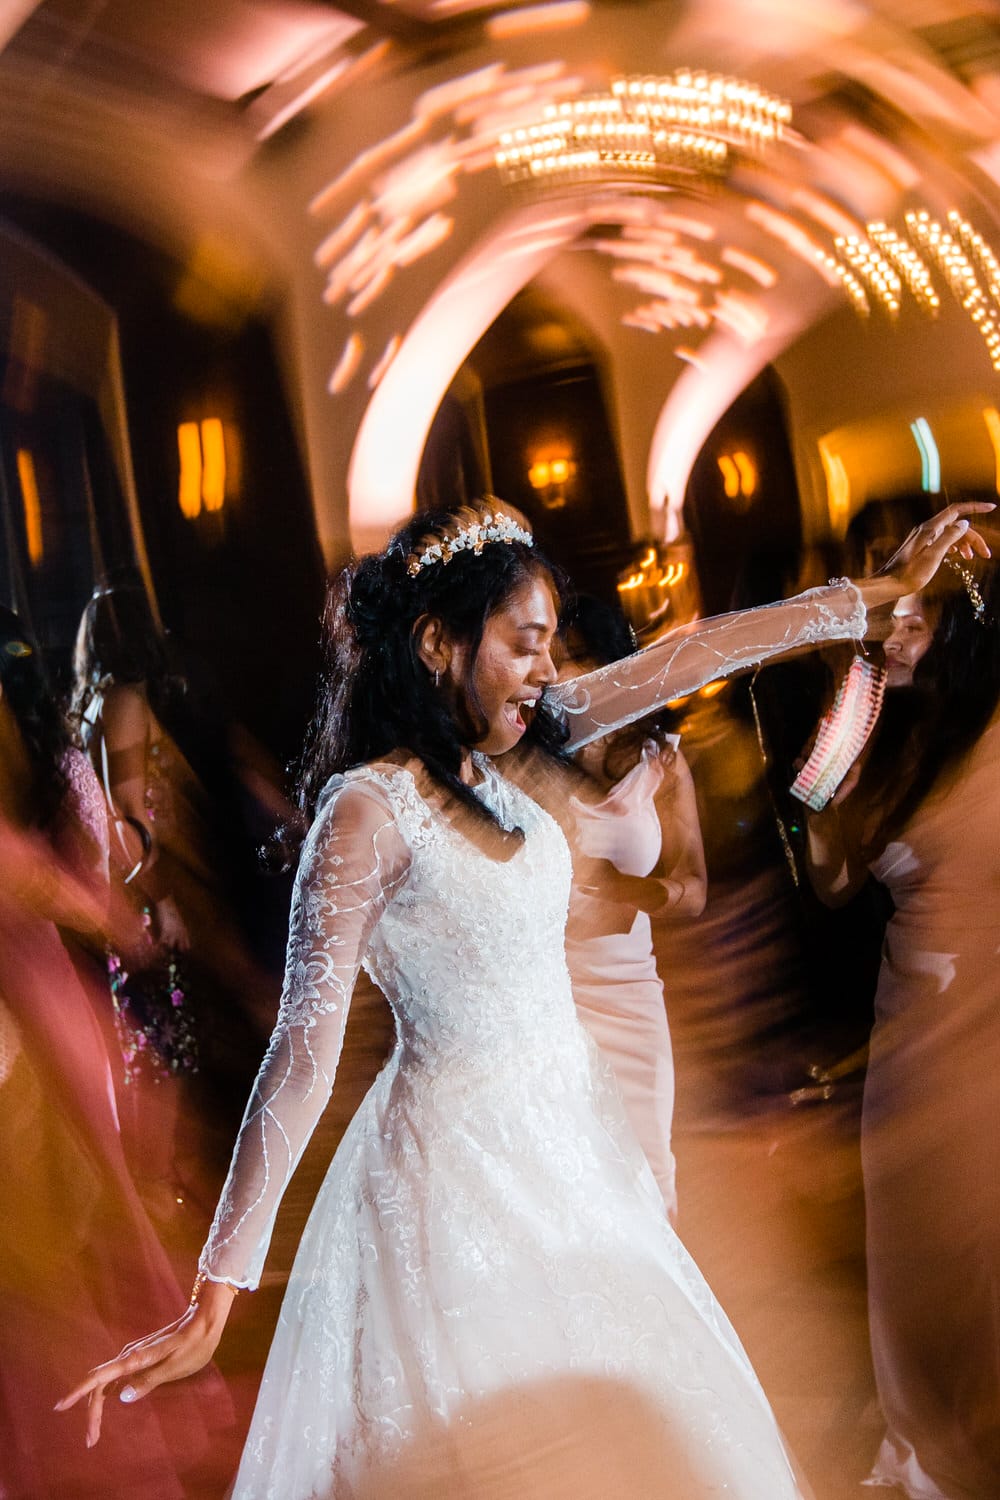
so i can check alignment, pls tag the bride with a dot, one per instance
(488, 1281)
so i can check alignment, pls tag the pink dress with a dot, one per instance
(618, 993)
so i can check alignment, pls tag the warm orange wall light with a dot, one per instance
(32, 506)
(201, 448)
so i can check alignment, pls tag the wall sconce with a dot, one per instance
(549, 477)
(739, 478)
(201, 447)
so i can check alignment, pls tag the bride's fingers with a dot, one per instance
(140, 1357)
(95, 1410)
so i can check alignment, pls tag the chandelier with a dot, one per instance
(665, 130)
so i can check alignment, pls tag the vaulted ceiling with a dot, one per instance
(338, 165)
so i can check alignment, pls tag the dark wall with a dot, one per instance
(240, 589)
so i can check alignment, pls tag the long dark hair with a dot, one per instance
(119, 642)
(42, 725)
(376, 695)
(927, 729)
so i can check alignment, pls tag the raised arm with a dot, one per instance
(687, 659)
(352, 862)
(697, 654)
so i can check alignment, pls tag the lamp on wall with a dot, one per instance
(201, 449)
(549, 475)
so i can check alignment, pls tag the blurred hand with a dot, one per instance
(914, 564)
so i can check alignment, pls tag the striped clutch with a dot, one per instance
(842, 735)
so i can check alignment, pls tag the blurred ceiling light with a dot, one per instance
(838, 489)
(873, 269)
(665, 129)
(962, 255)
(930, 459)
(824, 211)
(757, 270)
(837, 272)
(875, 149)
(531, 18)
(31, 505)
(366, 163)
(992, 419)
(784, 229)
(346, 366)
(388, 355)
(304, 97)
(914, 271)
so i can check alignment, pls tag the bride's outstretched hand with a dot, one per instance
(914, 564)
(182, 1348)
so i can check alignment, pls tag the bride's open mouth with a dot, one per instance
(519, 712)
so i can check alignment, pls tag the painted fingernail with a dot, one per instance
(128, 1393)
(90, 1441)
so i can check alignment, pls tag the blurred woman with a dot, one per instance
(922, 814)
(183, 993)
(639, 856)
(78, 1258)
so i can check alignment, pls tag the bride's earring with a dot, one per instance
(437, 676)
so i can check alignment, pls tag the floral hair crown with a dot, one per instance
(472, 535)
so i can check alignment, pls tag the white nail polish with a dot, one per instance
(128, 1393)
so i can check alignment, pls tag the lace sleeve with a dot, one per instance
(353, 861)
(687, 659)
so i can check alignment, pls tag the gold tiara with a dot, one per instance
(471, 536)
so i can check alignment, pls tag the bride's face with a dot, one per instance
(513, 663)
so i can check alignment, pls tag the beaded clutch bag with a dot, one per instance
(842, 735)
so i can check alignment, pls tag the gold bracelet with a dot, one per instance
(199, 1282)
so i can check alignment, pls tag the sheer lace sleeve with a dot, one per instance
(687, 659)
(353, 861)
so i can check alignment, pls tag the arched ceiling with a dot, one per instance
(340, 161)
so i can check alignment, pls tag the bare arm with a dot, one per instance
(684, 878)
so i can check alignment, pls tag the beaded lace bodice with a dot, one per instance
(469, 950)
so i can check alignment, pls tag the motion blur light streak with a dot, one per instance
(992, 419)
(838, 488)
(189, 481)
(32, 506)
(532, 18)
(347, 365)
(930, 459)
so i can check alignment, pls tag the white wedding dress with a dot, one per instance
(488, 1225)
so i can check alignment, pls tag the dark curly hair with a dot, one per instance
(376, 695)
(42, 725)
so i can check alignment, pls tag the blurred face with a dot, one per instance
(513, 663)
(908, 640)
